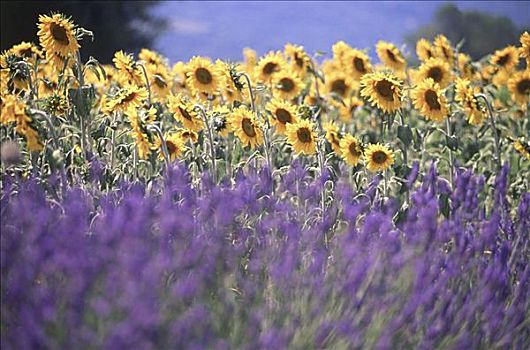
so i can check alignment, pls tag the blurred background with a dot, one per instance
(182, 29)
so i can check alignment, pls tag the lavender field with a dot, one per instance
(284, 201)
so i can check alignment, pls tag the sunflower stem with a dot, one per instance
(493, 129)
(451, 165)
(210, 139)
(135, 164)
(250, 91)
(163, 142)
(147, 84)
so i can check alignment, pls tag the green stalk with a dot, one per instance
(493, 129)
(210, 139)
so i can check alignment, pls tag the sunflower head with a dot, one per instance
(351, 150)
(429, 99)
(443, 49)
(378, 157)
(505, 59)
(174, 143)
(57, 35)
(282, 113)
(382, 90)
(203, 77)
(424, 50)
(128, 71)
(184, 111)
(128, 98)
(339, 83)
(269, 66)
(435, 69)
(287, 84)
(519, 87)
(524, 50)
(246, 127)
(302, 137)
(333, 136)
(390, 55)
(522, 147)
(465, 95)
(299, 60)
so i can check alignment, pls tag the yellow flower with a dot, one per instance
(340, 49)
(203, 77)
(26, 50)
(128, 69)
(333, 136)
(443, 49)
(302, 137)
(188, 135)
(283, 113)
(378, 157)
(351, 150)
(159, 80)
(524, 50)
(220, 120)
(390, 55)
(465, 67)
(430, 101)
(251, 59)
(519, 86)
(246, 127)
(522, 147)
(128, 98)
(234, 87)
(268, 66)
(175, 146)
(437, 70)
(356, 63)
(424, 50)
(339, 83)
(57, 35)
(382, 90)
(465, 94)
(347, 107)
(140, 135)
(287, 84)
(184, 111)
(505, 59)
(14, 111)
(299, 59)
(151, 58)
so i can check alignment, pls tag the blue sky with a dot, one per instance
(221, 29)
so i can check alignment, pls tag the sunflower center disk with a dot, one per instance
(204, 76)
(283, 116)
(59, 34)
(431, 97)
(286, 85)
(391, 55)
(304, 135)
(523, 86)
(379, 157)
(384, 89)
(128, 98)
(359, 65)
(184, 113)
(339, 87)
(269, 68)
(248, 128)
(171, 147)
(435, 74)
(299, 61)
(354, 150)
(503, 60)
(159, 81)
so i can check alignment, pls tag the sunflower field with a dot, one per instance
(284, 201)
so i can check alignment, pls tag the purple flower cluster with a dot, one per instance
(256, 264)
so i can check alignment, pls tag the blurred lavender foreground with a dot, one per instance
(186, 266)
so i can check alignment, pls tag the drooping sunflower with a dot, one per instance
(351, 150)
(519, 86)
(437, 70)
(128, 70)
(429, 99)
(378, 157)
(333, 136)
(302, 137)
(357, 63)
(184, 111)
(57, 35)
(524, 50)
(339, 83)
(424, 50)
(283, 113)
(443, 49)
(174, 143)
(382, 90)
(203, 77)
(287, 84)
(390, 55)
(522, 147)
(26, 50)
(128, 98)
(506, 58)
(465, 94)
(268, 66)
(246, 127)
(298, 58)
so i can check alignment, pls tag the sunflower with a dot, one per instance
(57, 35)
(159, 80)
(287, 84)
(220, 120)
(382, 90)
(378, 157)
(465, 94)
(350, 150)
(356, 63)
(443, 49)
(268, 66)
(151, 58)
(506, 59)
(203, 76)
(524, 50)
(390, 55)
(339, 83)
(302, 137)
(429, 99)
(333, 136)
(298, 58)
(128, 70)
(174, 143)
(522, 147)
(128, 98)
(465, 67)
(424, 50)
(519, 86)
(178, 71)
(250, 60)
(246, 127)
(188, 135)
(437, 70)
(233, 90)
(340, 49)
(184, 112)
(26, 50)
(140, 135)
(283, 113)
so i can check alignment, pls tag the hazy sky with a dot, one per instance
(221, 29)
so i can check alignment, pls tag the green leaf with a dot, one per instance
(405, 134)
